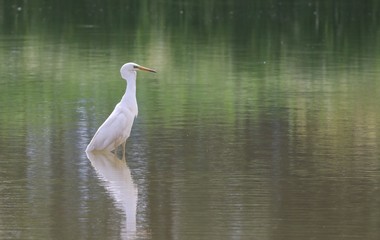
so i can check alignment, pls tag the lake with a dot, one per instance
(262, 121)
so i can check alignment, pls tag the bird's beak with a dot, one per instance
(146, 69)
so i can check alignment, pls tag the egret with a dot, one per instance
(117, 127)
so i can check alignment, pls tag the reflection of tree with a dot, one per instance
(331, 21)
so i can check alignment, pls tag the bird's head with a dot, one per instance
(130, 67)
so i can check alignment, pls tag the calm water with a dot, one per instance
(262, 122)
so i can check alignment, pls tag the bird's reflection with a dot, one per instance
(118, 182)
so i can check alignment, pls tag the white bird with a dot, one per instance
(117, 127)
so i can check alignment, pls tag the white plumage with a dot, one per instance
(117, 127)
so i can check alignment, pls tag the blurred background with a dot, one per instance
(262, 122)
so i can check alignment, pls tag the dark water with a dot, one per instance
(263, 121)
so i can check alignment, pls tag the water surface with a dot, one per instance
(261, 123)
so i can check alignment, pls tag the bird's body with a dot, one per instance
(117, 127)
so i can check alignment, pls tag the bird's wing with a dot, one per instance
(110, 131)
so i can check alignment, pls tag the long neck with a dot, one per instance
(129, 98)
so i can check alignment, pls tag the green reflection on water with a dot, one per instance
(262, 121)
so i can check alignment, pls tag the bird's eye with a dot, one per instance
(134, 66)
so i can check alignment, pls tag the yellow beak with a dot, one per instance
(146, 69)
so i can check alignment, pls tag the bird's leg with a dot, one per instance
(123, 148)
(116, 148)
